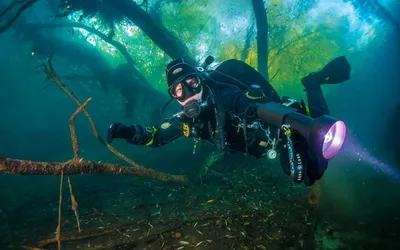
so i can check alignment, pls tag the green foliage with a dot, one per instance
(302, 54)
(92, 8)
(298, 43)
(190, 21)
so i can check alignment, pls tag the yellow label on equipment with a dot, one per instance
(186, 129)
(165, 125)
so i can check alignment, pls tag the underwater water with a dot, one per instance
(185, 194)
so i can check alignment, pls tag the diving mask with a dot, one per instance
(186, 90)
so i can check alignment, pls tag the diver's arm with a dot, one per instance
(151, 136)
(166, 132)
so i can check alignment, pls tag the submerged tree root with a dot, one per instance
(15, 166)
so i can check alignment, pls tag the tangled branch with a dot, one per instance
(25, 5)
(58, 229)
(77, 165)
(138, 169)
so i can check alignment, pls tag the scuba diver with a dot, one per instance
(236, 109)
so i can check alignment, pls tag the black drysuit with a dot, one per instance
(233, 101)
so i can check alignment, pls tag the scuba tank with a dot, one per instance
(207, 62)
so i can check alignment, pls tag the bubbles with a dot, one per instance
(223, 27)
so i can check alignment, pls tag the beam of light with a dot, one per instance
(353, 150)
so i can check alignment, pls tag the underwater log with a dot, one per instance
(25, 167)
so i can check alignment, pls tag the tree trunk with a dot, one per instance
(165, 40)
(387, 15)
(262, 37)
(247, 43)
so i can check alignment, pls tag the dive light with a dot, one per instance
(325, 135)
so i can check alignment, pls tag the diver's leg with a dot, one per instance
(316, 100)
(336, 71)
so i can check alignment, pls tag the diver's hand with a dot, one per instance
(120, 131)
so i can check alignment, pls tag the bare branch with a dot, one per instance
(25, 6)
(25, 167)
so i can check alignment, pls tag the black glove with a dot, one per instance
(120, 131)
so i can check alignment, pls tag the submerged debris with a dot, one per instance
(271, 217)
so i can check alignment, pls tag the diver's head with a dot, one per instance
(184, 82)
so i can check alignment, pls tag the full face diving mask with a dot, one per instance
(186, 90)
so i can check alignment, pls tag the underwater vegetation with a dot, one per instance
(70, 62)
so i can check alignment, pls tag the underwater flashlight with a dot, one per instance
(325, 135)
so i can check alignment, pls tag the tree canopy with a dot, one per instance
(302, 36)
